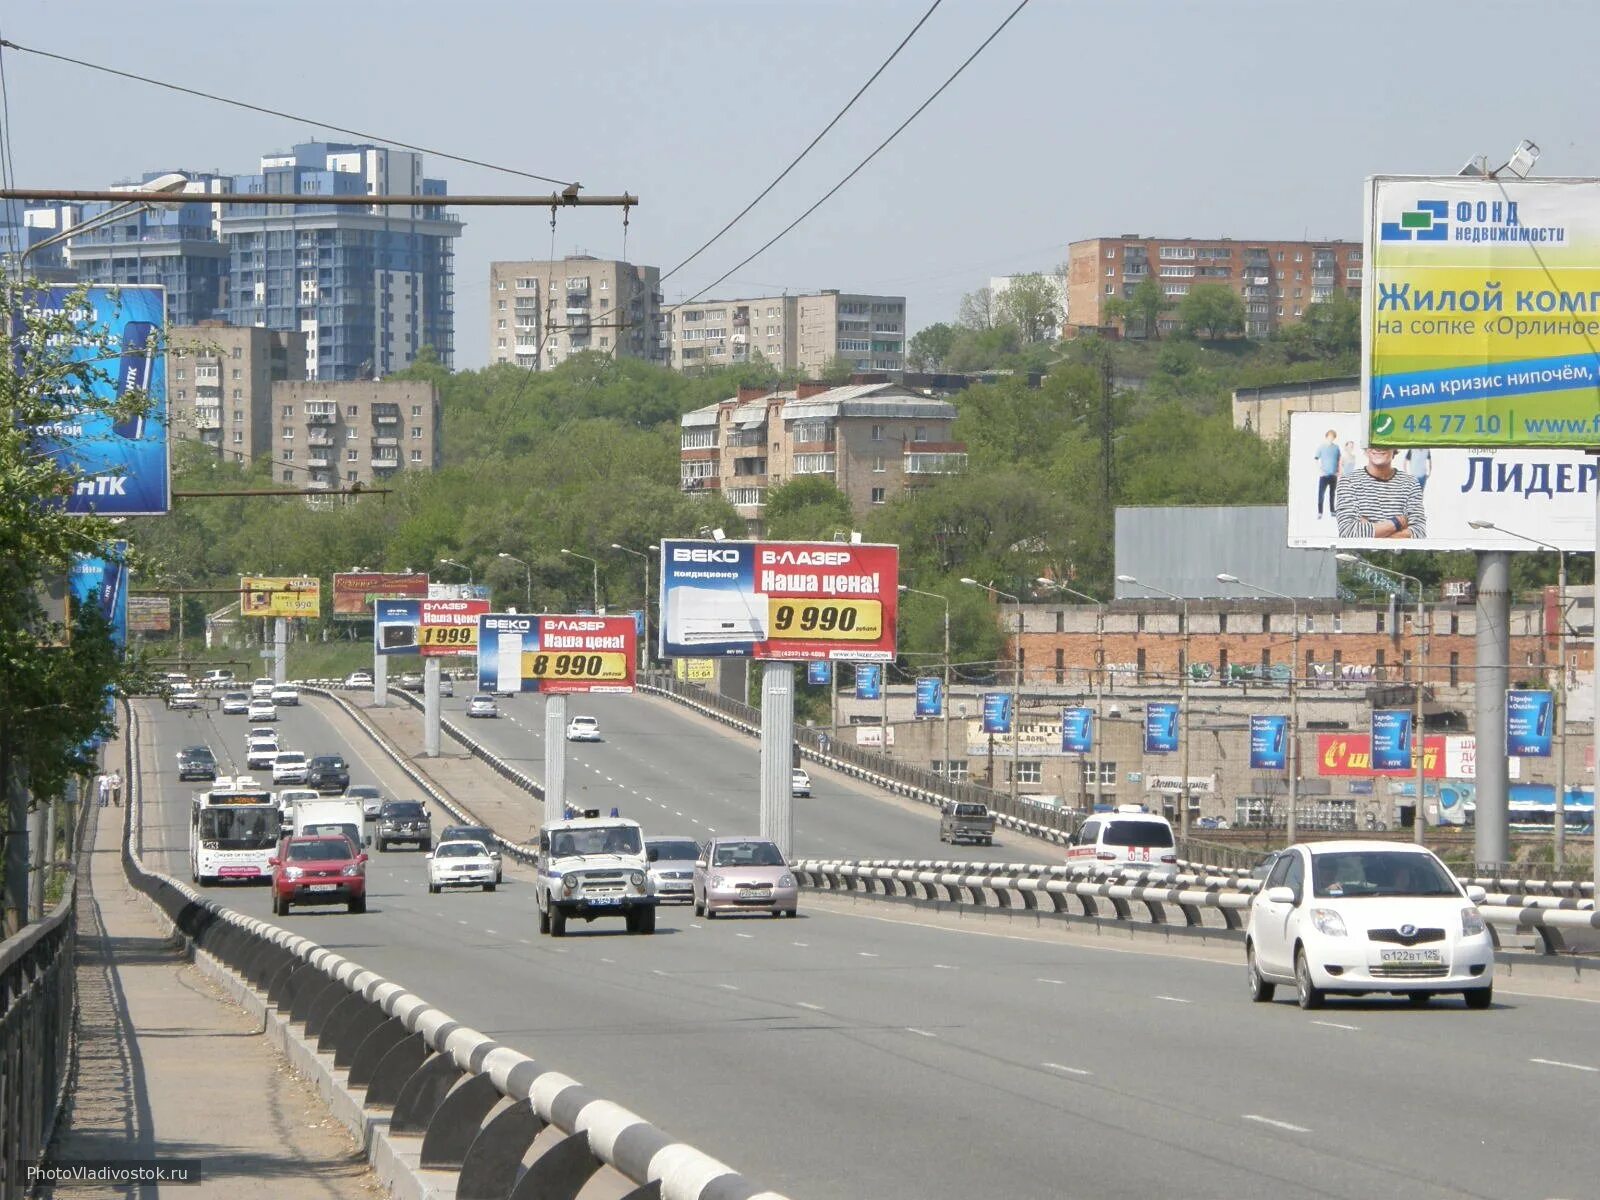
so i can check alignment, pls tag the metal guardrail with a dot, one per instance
(435, 1077)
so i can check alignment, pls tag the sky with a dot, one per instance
(1230, 118)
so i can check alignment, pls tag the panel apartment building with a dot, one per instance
(1276, 280)
(543, 312)
(792, 333)
(872, 440)
(219, 384)
(325, 435)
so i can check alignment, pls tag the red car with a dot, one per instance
(318, 870)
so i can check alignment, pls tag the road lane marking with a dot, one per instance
(612, 961)
(727, 987)
(1068, 1070)
(800, 944)
(744, 935)
(1277, 1124)
(812, 1007)
(920, 1032)
(1060, 981)
(1336, 1025)
(944, 967)
(496, 932)
(1175, 999)
(861, 953)
(1552, 1062)
(525, 941)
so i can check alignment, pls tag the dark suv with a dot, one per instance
(328, 773)
(404, 821)
(197, 762)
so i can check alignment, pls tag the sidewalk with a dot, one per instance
(169, 1070)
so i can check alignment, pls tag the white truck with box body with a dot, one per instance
(331, 814)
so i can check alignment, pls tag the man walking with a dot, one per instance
(102, 788)
(1380, 502)
(1328, 472)
(116, 788)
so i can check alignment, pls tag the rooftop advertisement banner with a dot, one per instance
(1547, 494)
(1480, 311)
(778, 600)
(123, 466)
(354, 591)
(280, 596)
(556, 655)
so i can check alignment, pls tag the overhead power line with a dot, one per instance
(826, 196)
(883, 66)
(273, 112)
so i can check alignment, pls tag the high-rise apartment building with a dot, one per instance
(793, 333)
(368, 286)
(871, 440)
(219, 384)
(325, 435)
(542, 313)
(179, 247)
(1277, 281)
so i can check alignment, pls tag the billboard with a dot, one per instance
(457, 591)
(102, 580)
(122, 465)
(1391, 739)
(778, 600)
(397, 626)
(520, 652)
(1077, 730)
(1530, 722)
(1544, 493)
(354, 591)
(1350, 754)
(1269, 743)
(819, 674)
(149, 614)
(448, 627)
(869, 681)
(930, 696)
(997, 715)
(1479, 311)
(280, 596)
(695, 670)
(1161, 727)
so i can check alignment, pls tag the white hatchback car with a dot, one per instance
(462, 864)
(1359, 917)
(583, 729)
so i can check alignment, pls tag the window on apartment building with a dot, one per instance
(499, 285)
(879, 464)
(238, 352)
(1379, 663)
(1222, 663)
(877, 433)
(238, 437)
(1383, 619)
(500, 306)
(288, 455)
(182, 395)
(349, 435)
(416, 456)
(288, 435)
(351, 411)
(238, 416)
(352, 455)
(238, 374)
(1111, 252)
(416, 410)
(287, 412)
(605, 341)
(1139, 666)
(238, 393)
(1028, 771)
(500, 343)
(1111, 272)
(180, 373)
(880, 495)
(1266, 623)
(920, 434)
(500, 324)
(288, 476)
(955, 770)
(1455, 623)
(1111, 289)
(1338, 623)
(416, 433)
(1280, 256)
(1455, 668)
(1266, 662)
(350, 476)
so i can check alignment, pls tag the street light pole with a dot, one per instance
(595, 577)
(644, 642)
(1016, 685)
(450, 562)
(1294, 699)
(527, 572)
(1183, 694)
(945, 704)
(1099, 676)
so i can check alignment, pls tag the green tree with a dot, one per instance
(838, 370)
(1144, 309)
(929, 348)
(1211, 311)
(808, 508)
(1033, 304)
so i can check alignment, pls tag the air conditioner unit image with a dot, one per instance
(696, 615)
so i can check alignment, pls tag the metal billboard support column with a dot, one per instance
(38, 856)
(280, 647)
(1490, 678)
(555, 758)
(777, 736)
(380, 679)
(430, 708)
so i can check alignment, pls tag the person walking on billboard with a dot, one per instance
(1380, 502)
(1328, 472)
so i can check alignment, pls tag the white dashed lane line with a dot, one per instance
(944, 967)
(1057, 981)
(1069, 1070)
(1174, 999)
(1336, 1025)
(727, 987)
(1276, 1124)
(812, 1007)
(1552, 1062)
(861, 953)
(921, 1032)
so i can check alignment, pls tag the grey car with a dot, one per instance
(404, 821)
(672, 867)
(371, 799)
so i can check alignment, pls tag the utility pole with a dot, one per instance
(1183, 694)
(1294, 700)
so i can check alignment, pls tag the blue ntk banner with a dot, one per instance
(1077, 730)
(1530, 722)
(1391, 739)
(930, 696)
(1161, 727)
(819, 674)
(1269, 743)
(997, 712)
(869, 681)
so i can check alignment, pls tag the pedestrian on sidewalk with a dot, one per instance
(102, 787)
(116, 788)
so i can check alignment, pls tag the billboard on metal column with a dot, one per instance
(930, 696)
(397, 626)
(280, 596)
(997, 712)
(102, 580)
(1548, 493)
(1481, 312)
(819, 674)
(1077, 730)
(149, 614)
(519, 652)
(1530, 722)
(122, 464)
(869, 681)
(354, 591)
(778, 600)
(1391, 739)
(1161, 727)
(449, 627)
(1269, 742)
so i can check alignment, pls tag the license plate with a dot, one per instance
(756, 894)
(1405, 955)
(323, 887)
(596, 901)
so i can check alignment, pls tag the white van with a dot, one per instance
(1130, 838)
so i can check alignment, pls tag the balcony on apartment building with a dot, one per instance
(319, 483)
(384, 441)
(932, 458)
(386, 416)
(321, 412)
(207, 416)
(746, 497)
(815, 464)
(319, 438)
(322, 461)
(744, 440)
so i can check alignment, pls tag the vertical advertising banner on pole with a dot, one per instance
(997, 712)
(1077, 730)
(930, 696)
(1530, 723)
(1269, 743)
(869, 681)
(819, 674)
(449, 627)
(397, 626)
(102, 581)
(519, 652)
(778, 600)
(1161, 727)
(122, 463)
(1391, 739)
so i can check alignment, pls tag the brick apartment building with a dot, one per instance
(872, 440)
(803, 332)
(219, 384)
(1275, 280)
(329, 434)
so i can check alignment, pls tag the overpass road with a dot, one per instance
(866, 1049)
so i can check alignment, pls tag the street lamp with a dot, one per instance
(945, 707)
(1099, 672)
(1016, 690)
(1294, 696)
(1183, 696)
(644, 555)
(161, 185)
(595, 579)
(1421, 743)
(450, 562)
(1560, 686)
(527, 572)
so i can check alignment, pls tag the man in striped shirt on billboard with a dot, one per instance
(1380, 502)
